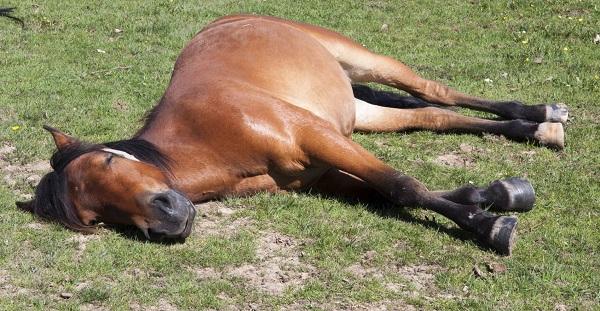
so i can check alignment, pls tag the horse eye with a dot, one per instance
(109, 158)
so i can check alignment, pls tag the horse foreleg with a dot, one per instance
(511, 194)
(372, 118)
(324, 145)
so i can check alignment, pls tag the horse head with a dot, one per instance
(124, 183)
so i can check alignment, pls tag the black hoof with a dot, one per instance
(503, 234)
(512, 194)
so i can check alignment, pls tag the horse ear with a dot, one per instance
(61, 139)
(25, 206)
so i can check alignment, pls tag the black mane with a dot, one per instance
(52, 199)
(52, 202)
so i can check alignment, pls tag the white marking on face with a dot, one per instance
(121, 153)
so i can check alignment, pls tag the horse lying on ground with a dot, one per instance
(258, 103)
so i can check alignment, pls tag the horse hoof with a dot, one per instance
(557, 113)
(503, 235)
(551, 134)
(512, 194)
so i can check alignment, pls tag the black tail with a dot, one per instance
(387, 99)
(6, 12)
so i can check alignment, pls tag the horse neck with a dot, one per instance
(193, 171)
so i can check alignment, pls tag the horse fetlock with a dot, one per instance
(557, 113)
(512, 194)
(469, 195)
(513, 110)
(550, 134)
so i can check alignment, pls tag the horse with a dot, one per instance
(263, 104)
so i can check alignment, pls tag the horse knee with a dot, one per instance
(408, 191)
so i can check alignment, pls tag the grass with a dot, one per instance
(70, 69)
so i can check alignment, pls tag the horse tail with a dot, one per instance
(7, 12)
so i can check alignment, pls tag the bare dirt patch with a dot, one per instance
(92, 307)
(420, 276)
(120, 105)
(454, 160)
(346, 305)
(279, 266)
(81, 241)
(161, 305)
(207, 273)
(37, 226)
(6, 114)
(214, 218)
(155, 278)
(14, 175)
(10, 291)
(7, 289)
(419, 280)
(465, 157)
(496, 139)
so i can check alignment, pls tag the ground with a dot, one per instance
(93, 68)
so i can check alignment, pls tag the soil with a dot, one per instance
(19, 176)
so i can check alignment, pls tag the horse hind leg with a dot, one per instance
(372, 118)
(361, 65)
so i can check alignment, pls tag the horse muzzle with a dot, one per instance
(174, 216)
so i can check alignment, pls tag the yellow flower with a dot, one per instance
(596, 77)
(581, 19)
(565, 49)
(525, 41)
(527, 59)
(15, 128)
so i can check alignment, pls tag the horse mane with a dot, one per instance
(149, 117)
(52, 200)
(144, 150)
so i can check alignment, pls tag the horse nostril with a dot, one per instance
(162, 201)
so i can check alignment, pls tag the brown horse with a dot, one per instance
(259, 103)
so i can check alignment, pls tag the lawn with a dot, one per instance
(93, 68)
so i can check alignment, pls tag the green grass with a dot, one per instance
(52, 73)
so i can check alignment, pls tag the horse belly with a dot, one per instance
(280, 60)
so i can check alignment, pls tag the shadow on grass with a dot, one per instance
(388, 210)
(135, 234)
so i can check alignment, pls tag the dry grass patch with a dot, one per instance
(214, 218)
(161, 305)
(15, 175)
(279, 265)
